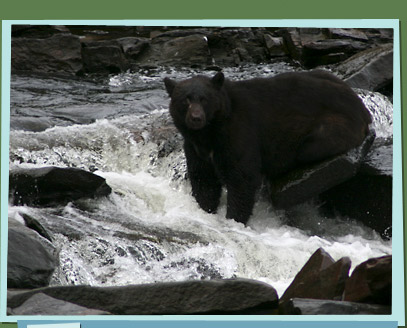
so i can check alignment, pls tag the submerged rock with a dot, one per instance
(230, 296)
(54, 185)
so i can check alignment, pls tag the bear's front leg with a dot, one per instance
(241, 188)
(206, 186)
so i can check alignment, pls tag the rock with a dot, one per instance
(103, 57)
(31, 259)
(230, 296)
(366, 197)
(371, 282)
(275, 45)
(59, 53)
(325, 52)
(53, 185)
(41, 304)
(348, 33)
(182, 51)
(133, 47)
(234, 46)
(299, 306)
(302, 184)
(37, 31)
(371, 69)
(320, 278)
(35, 225)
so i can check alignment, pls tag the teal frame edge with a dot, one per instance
(398, 314)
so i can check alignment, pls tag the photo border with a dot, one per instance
(398, 314)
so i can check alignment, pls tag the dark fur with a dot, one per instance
(237, 132)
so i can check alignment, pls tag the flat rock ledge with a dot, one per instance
(230, 296)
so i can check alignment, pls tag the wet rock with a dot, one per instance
(298, 306)
(366, 197)
(53, 185)
(104, 56)
(230, 296)
(31, 259)
(371, 282)
(371, 69)
(35, 225)
(302, 184)
(320, 278)
(41, 304)
(59, 53)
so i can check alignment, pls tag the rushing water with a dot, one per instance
(150, 228)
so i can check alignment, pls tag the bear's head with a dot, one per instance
(197, 101)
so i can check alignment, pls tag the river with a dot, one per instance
(150, 229)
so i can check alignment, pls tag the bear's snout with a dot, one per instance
(195, 118)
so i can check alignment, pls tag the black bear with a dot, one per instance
(237, 132)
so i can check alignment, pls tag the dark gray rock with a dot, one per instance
(298, 306)
(275, 45)
(330, 51)
(31, 259)
(59, 53)
(371, 69)
(303, 184)
(53, 185)
(348, 33)
(366, 197)
(41, 304)
(37, 31)
(35, 225)
(235, 46)
(179, 51)
(231, 296)
(371, 282)
(320, 278)
(133, 47)
(104, 56)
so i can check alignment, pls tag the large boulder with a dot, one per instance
(230, 296)
(59, 53)
(186, 50)
(54, 185)
(31, 259)
(104, 56)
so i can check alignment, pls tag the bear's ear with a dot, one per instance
(169, 85)
(218, 80)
